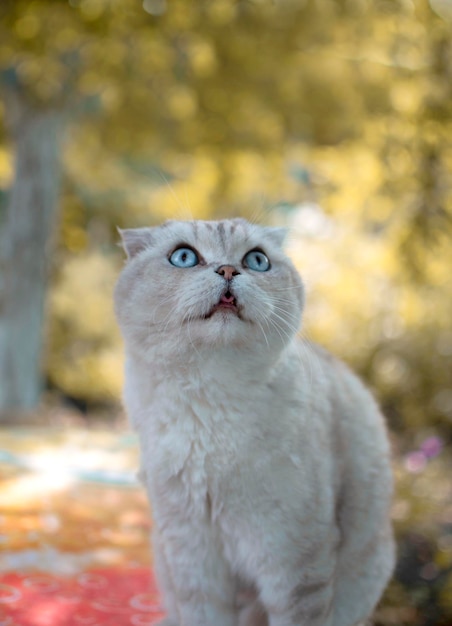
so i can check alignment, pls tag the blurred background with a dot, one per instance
(331, 117)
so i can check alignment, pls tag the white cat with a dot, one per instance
(266, 461)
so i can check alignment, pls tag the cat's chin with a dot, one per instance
(223, 326)
(223, 319)
(223, 312)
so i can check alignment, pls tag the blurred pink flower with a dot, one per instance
(431, 447)
(415, 461)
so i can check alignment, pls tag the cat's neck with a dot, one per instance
(224, 366)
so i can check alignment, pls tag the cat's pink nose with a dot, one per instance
(227, 271)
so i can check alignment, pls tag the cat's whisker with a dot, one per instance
(312, 354)
(187, 319)
(259, 214)
(177, 332)
(280, 329)
(286, 322)
(285, 297)
(166, 320)
(281, 309)
(188, 202)
(306, 364)
(292, 288)
(182, 209)
(310, 347)
(263, 332)
(272, 324)
(160, 306)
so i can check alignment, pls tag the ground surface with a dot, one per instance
(74, 530)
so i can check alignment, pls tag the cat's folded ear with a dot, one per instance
(277, 235)
(135, 240)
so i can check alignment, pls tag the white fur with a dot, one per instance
(265, 459)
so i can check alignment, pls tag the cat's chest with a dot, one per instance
(191, 444)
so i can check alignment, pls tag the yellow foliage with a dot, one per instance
(202, 57)
(92, 9)
(84, 297)
(181, 102)
(85, 356)
(222, 11)
(190, 198)
(6, 167)
(28, 26)
(333, 118)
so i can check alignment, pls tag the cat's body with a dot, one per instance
(265, 459)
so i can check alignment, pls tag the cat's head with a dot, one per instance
(200, 285)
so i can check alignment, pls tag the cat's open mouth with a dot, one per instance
(227, 302)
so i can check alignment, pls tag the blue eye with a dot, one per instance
(184, 257)
(257, 261)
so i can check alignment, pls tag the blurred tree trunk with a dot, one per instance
(25, 242)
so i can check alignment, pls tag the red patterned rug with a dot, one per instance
(103, 597)
(74, 530)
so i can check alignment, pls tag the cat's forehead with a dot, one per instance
(223, 235)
